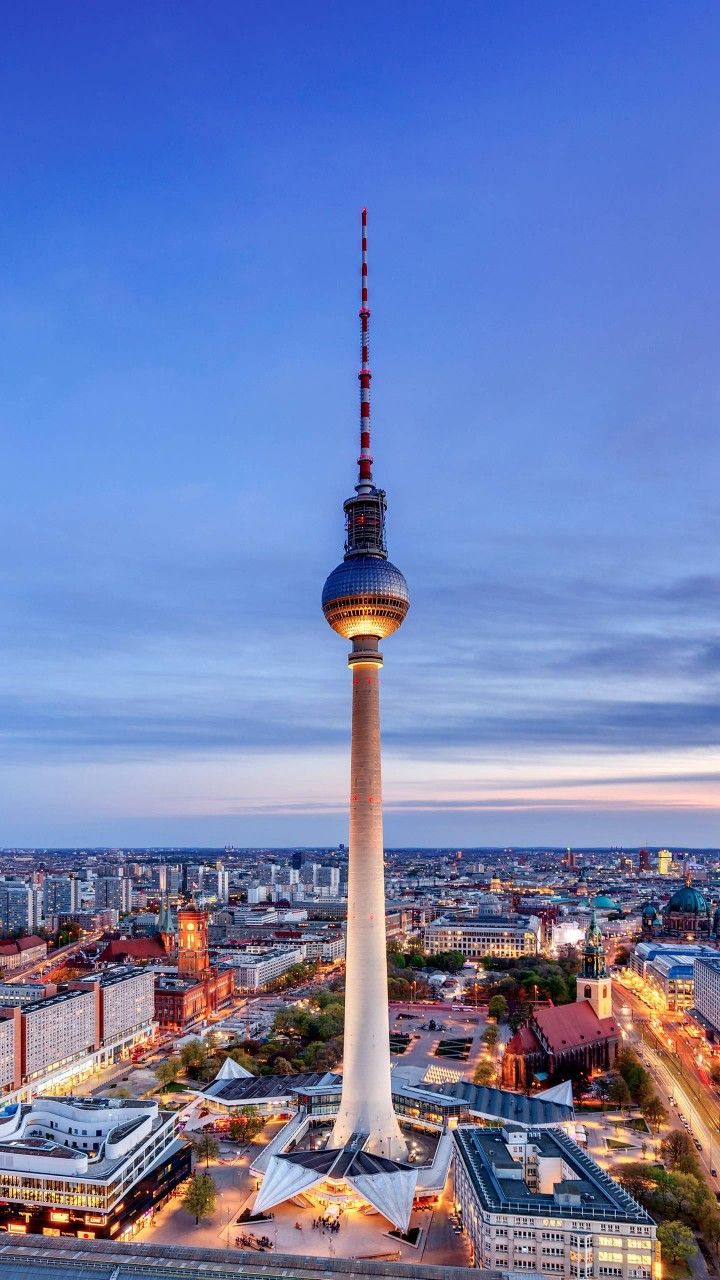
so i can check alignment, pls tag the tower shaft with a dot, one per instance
(366, 1102)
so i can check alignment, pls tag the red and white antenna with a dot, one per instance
(365, 376)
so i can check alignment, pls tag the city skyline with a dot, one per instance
(179, 310)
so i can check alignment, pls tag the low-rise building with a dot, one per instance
(532, 1201)
(665, 972)
(27, 950)
(86, 1167)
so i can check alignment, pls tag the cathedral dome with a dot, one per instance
(604, 903)
(489, 905)
(688, 901)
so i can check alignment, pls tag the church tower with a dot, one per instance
(166, 926)
(593, 983)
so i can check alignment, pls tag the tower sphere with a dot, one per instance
(365, 596)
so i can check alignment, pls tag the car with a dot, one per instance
(713, 1173)
(698, 1145)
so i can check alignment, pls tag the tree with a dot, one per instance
(282, 1067)
(678, 1151)
(243, 1059)
(484, 1072)
(167, 1072)
(655, 1112)
(520, 1014)
(199, 1199)
(245, 1126)
(677, 1241)
(206, 1147)
(636, 1178)
(193, 1057)
(490, 1036)
(619, 1093)
(711, 1227)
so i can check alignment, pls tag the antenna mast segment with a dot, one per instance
(365, 376)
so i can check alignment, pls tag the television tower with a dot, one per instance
(365, 599)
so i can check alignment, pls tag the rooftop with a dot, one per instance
(500, 1104)
(568, 1026)
(40, 1258)
(588, 1191)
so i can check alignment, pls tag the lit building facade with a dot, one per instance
(531, 1200)
(87, 1167)
(706, 995)
(492, 935)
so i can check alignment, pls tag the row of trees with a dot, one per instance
(201, 1193)
(676, 1190)
(630, 1084)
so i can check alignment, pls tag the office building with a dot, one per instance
(706, 994)
(531, 1200)
(506, 936)
(256, 968)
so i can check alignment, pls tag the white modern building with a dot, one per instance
(531, 1200)
(256, 967)
(86, 1167)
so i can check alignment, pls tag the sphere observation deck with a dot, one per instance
(365, 596)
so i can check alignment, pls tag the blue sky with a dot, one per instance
(181, 193)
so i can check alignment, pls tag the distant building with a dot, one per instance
(256, 968)
(113, 893)
(196, 988)
(687, 914)
(61, 895)
(667, 970)
(664, 862)
(17, 907)
(27, 950)
(493, 935)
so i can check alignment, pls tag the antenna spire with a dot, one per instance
(365, 484)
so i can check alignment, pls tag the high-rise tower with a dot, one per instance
(365, 599)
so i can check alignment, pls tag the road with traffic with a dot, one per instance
(680, 1088)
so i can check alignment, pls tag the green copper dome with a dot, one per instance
(604, 903)
(688, 901)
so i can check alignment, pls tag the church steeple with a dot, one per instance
(593, 965)
(593, 983)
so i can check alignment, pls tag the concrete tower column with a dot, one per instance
(366, 1104)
